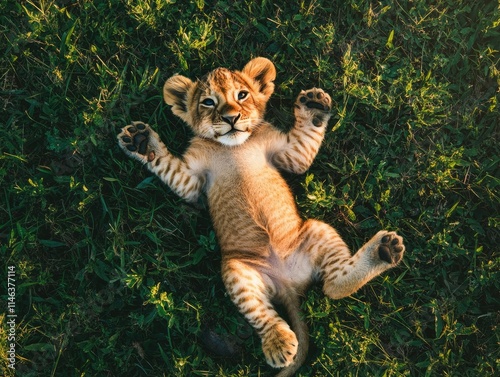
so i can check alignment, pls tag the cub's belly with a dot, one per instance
(254, 210)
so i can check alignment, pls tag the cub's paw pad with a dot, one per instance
(134, 138)
(315, 100)
(391, 248)
(280, 346)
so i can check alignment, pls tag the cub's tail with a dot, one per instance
(291, 302)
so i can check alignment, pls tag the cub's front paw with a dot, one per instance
(391, 248)
(314, 103)
(135, 140)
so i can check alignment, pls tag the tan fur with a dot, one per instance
(268, 251)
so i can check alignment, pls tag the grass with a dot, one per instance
(117, 276)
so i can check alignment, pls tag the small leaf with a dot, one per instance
(145, 182)
(451, 210)
(390, 39)
(52, 243)
(39, 347)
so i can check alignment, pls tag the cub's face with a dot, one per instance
(224, 105)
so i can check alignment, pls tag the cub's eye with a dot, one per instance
(242, 95)
(208, 102)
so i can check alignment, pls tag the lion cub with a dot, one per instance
(269, 253)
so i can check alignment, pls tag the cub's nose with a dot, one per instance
(231, 119)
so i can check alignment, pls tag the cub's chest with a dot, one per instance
(233, 166)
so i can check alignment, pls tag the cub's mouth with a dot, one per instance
(233, 131)
(232, 134)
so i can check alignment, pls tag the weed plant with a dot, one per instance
(116, 276)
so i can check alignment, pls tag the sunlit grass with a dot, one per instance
(117, 276)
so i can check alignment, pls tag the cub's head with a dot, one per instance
(224, 105)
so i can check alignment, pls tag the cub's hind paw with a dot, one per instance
(315, 102)
(279, 345)
(135, 141)
(391, 248)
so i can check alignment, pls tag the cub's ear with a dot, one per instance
(175, 94)
(263, 72)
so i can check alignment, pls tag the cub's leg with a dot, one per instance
(251, 292)
(312, 111)
(341, 272)
(142, 143)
